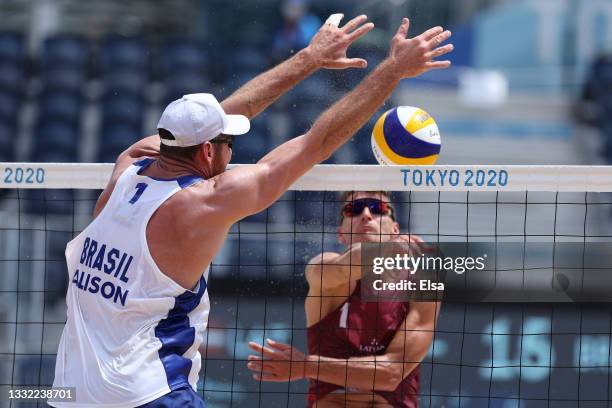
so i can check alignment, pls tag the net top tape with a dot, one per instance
(351, 177)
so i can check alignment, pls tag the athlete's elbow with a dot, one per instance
(394, 374)
(389, 377)
(319, 147)
(325, 152)
(390, 380)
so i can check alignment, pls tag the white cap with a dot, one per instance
(197, 118)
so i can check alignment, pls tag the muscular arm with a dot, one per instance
(329, 276)
(248, 100)
(327, 49)
(330, 270)
(384, 372)
(282, 362)
(285, 164)
(257, 94)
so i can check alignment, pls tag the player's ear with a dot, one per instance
(395, 228)
(207, 150)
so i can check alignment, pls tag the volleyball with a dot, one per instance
(406, 135)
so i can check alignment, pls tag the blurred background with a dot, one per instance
(81, 80)
(531, 83)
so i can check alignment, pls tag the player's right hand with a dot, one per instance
(328, 47)
(411, 57)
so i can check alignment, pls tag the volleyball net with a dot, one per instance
(486, 352)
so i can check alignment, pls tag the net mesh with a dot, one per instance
(483, 354)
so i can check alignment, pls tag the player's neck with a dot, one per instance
(167, 167)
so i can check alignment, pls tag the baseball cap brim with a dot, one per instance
(236, 125)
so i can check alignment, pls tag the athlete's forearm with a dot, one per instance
(345, 117)
(379, 372)
(363, 373)
(286, 163)
(261, 91)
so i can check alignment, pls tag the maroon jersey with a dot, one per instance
(357, 329)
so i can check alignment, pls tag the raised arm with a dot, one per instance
(327, 49)
(273, 174)
(330, 275)
(328, 271)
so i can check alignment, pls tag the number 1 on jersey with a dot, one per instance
(140, 188)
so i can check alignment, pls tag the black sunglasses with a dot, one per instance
(227, 139)
(376, 207)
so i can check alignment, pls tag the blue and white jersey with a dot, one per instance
(132, 333)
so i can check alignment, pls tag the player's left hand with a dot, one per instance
(328, 47)
(278, 362)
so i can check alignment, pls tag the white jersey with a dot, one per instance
(132, 333)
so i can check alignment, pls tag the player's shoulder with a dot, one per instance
(314, 267)
(121, 165)
(193, 207)
(192, 195)
(323, 258)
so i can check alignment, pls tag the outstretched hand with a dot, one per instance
(329, 45)
(414, 56)
(277, 362)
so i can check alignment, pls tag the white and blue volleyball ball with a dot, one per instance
(406, 135)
